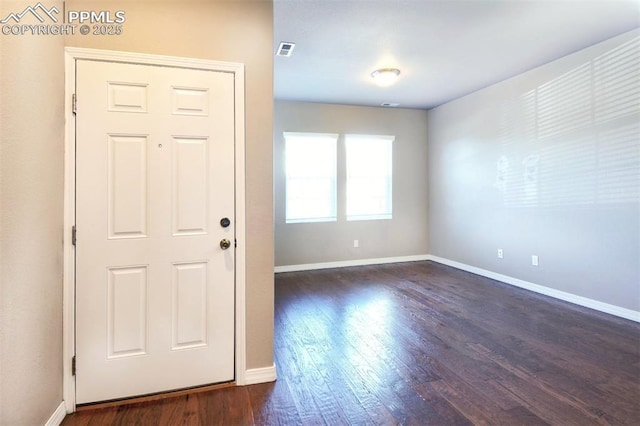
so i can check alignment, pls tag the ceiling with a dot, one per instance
(444, 48)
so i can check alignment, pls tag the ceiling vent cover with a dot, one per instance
(285, 48)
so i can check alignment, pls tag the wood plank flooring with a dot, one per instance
(420, 344)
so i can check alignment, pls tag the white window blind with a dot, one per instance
(310, 163)
(369, 177)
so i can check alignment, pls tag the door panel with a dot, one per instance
(189, 314)
(190, 183)
(154, 171)
(127, 186)
(126, 311)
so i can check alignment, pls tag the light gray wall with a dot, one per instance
(404, 235)
(568, 186)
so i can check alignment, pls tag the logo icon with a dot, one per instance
(36, 11)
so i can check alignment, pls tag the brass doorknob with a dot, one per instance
(225, 244)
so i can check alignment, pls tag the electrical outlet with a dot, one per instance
(500, 254)
(534, 260)
(356, 243)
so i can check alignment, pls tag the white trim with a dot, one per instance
(58, 416)
(68, 253)
(149, 59)
(260, 375)
(241, 239)
(73, 53)
(347, 263)
(537, 288)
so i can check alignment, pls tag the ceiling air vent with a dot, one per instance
(285, 48)
(390, 104)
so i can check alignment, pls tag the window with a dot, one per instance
(369, 177)
(310, 167)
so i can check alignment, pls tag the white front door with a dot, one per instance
(154, 180)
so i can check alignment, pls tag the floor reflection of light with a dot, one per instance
(357, 336)
(367, 326)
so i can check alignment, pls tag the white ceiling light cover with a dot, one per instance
(385, 76)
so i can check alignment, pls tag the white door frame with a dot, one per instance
(71, 54)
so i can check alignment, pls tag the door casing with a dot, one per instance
(71, 54)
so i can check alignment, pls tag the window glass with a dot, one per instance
(310, 162)
(369, 177)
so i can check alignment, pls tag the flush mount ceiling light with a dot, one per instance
(385, 76)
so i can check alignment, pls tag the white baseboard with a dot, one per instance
(557, 294)
(346, 263)
(537, 288)
(58, 416)
(260, 375)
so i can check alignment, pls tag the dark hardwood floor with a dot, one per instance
(421, 344)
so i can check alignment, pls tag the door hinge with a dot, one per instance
(73, 366)
(73, 235)
(74, 103)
